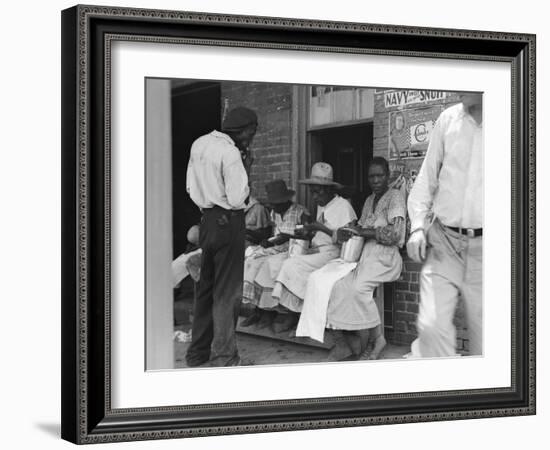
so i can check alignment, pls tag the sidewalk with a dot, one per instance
(257, 350)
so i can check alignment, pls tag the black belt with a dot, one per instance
(231, 212)
(470, 232)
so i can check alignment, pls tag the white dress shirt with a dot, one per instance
(450, 182)
(215, 174)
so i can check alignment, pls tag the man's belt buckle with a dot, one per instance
(470, 232)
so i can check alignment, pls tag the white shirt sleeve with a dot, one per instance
(339, 214)
(347, 214)
(425, 186)
(236, 181)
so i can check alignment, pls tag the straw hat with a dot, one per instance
(321, 174)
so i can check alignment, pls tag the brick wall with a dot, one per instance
(406, 289)
(271, 148)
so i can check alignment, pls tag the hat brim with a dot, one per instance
(314, 181)
(282, 198)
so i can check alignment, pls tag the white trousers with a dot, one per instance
(453, 269)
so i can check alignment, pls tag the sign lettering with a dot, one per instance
(404, 97)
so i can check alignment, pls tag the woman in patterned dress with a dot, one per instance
(351, 306)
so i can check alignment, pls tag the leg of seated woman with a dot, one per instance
(363, 339)
(379, 342)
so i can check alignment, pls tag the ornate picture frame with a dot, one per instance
(88, 33)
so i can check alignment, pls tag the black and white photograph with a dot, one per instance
(302, 224)
(279, 224)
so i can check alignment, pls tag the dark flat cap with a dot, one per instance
(239, 118)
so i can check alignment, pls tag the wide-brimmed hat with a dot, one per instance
(277, 192)
(321, 174)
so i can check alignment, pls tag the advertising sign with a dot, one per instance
(410, 131)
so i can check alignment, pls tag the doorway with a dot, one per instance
(196, 110)
(348, 150)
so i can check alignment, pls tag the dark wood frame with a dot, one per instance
(87, 32)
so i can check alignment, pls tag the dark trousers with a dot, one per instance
(216, 309)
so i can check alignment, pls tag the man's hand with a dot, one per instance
(311, 227)
(247, 162)
(416, 247)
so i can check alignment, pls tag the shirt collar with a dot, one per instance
(465, 114)
(287, 212)
(221, 135)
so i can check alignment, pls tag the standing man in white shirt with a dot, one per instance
(217, 182)
(446, 211)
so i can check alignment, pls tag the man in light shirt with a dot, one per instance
(217, 182)
(446, 211)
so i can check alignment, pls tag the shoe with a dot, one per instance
(289, 322)
(252, 319)
(219, 362)
(266, 319)
(196, 361)
(352, 357)
(235, 361)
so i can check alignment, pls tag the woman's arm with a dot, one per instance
(387, 235)
(391, 233)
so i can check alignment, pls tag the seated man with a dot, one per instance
(333, 212)
(263, 263)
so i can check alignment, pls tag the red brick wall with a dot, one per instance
(271, 148)
(406, 289)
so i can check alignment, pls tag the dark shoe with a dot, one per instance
(221, 362)
(289, 322)
(235, 361)
(252, 319)
(196, 361)
(266, 318)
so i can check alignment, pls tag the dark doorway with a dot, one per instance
(348, 150)
(196, 110)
